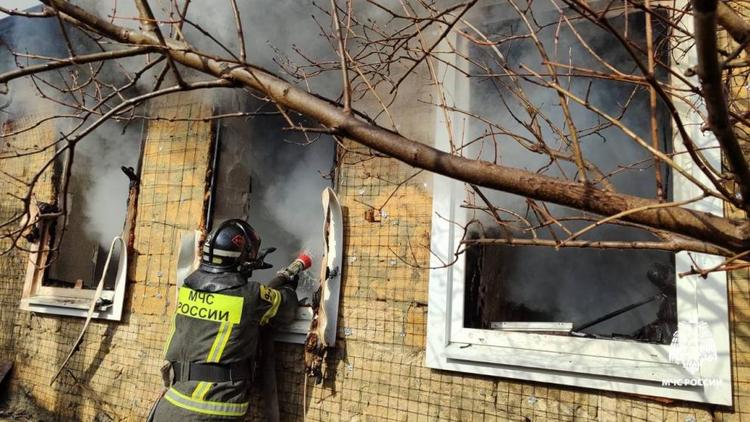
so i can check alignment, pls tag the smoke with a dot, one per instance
(98, 190)
(101, 182)
(286, 177)
(274, 179)
(270, 177)
(20, 96)
(289, 210)
(287, 198)
(274, 31)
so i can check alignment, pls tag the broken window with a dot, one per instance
(570, 289)
(273, 178)
(72, 251)
(585, 317)
(68, 252)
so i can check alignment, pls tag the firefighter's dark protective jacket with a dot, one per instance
(217, 322)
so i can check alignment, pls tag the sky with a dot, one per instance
(17, 4)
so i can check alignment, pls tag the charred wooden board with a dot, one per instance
(322, 333)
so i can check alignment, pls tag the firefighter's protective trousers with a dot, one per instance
(216, 325)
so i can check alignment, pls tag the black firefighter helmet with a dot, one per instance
(231, 246)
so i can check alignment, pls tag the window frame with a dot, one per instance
(67, 301)
(613, 365)
(34, 292)
(297, 330)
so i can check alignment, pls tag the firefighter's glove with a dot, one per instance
(291, 272)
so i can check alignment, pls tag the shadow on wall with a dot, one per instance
(76, 382)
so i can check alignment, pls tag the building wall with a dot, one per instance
(376, 371)
(15, 170)
(115, 374)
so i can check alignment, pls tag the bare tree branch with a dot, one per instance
(15, 12)
(709, 72)
(673, 245)
(240, 33)
(722, 232)
(735, 25)
(342, 54)
(78, 59)
(150, 24)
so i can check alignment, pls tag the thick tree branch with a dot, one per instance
(722, 232)
(709, 72)
(669, 245)
(735, 25)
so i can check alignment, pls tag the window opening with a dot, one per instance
(273, 179)
(71, 256)
(623, 294)
(524, 312)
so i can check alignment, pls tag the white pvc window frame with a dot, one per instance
(69, 301)
(612, 365)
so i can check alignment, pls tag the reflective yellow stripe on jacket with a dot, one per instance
(203, 406)
(224, 309)
(171, 334)
(214, 355)
(273, 297)
(201, 390)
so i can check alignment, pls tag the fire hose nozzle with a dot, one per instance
(306, 260)
(301, 263)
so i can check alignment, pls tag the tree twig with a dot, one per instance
(150, 24)
(79, 59)
(628, 212)
(240, 33)
(347, 88)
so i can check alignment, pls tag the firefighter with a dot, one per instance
(215, 334)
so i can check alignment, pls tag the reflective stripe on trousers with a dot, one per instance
(206, 407)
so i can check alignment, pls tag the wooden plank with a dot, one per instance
(78, 312)
(331, 278)
(268, 381)
(188, 254)
(37, 256)
(69, 292)
(322, 333)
